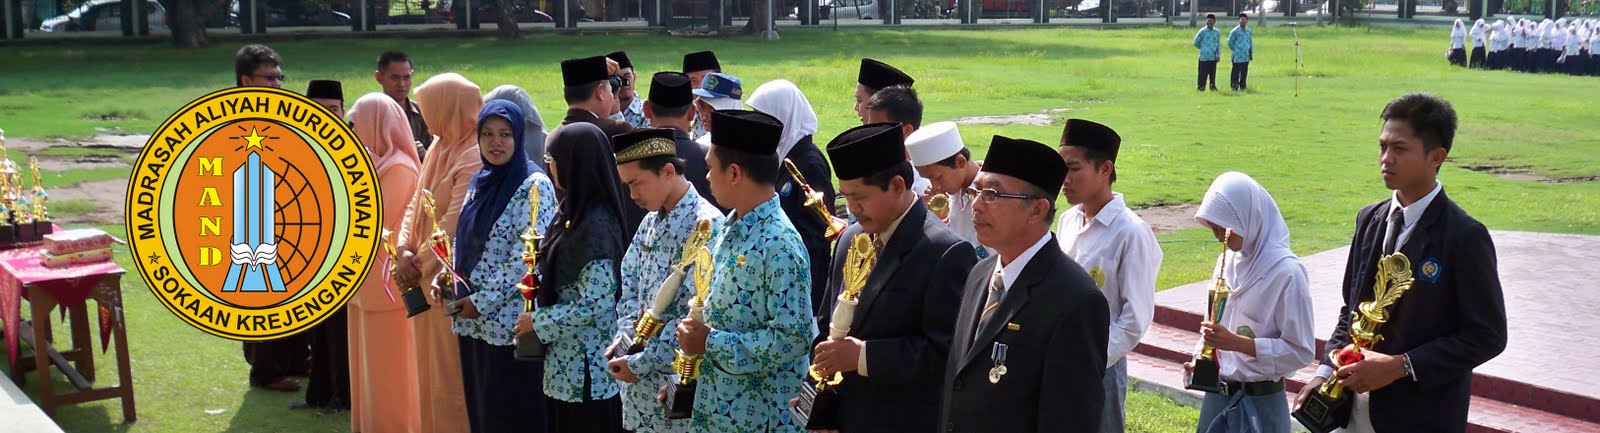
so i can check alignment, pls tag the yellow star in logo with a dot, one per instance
(253, 140)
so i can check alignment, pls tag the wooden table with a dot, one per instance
(23, 277)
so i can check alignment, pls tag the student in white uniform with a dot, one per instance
(1478, 40)
(1458, 45)
(939, 155)
(1113, 244)
(1265, 333)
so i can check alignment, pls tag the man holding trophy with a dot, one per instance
(655, 291)
(749, 352)
(1423, 304)
(888, 344)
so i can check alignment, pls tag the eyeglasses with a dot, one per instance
(988, 196)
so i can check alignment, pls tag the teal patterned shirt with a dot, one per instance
(1209, 41)
(656, 248)
(759, 310)
(577, 332)
(1241, 43)
(498, 272)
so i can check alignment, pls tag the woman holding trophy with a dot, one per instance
(1263, 332)
(575, 310)
(508, 193)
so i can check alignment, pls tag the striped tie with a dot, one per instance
(997, 289)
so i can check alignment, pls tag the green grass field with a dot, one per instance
(1316, 152)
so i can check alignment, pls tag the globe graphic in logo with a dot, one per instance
(298, 222)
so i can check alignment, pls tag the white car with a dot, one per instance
(849, 9)
(105, 15)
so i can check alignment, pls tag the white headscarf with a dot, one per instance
(781, 99)
(1477, 33)
(1458, 35)
(1237, 202)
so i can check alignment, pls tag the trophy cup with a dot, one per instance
(1206, 374)
(939, 204)
(680, 395)
(41, 217)
(415, 301)
(8, 209)
(1329, 407)
(818, 407)
(529, 347)
(22, 211)
(439, 241)
(650, 324)
(835, 225)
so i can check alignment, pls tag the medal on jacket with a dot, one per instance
(999, 358)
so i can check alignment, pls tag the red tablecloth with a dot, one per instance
(70, 286)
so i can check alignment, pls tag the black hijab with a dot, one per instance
(588, 225)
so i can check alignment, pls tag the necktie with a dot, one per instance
(997, 289)
(1397, 219)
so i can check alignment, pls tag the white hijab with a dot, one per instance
(1237, 202)
(781, 99)
(1459, 32)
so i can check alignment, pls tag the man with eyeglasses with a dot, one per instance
(1110, 241)
(271, 362)
(1028, 350)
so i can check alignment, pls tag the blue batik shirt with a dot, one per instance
(498, 272)
(656, 248)
(1209, 41)
(759, 310)
(1241, 43)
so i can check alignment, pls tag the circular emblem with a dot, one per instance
(253, 213)
(1098, 276)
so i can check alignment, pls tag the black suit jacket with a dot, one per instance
(1452, 320)
(1056, 351)
(906, 313)
(633, 215)
(694, 166)
(813, 231)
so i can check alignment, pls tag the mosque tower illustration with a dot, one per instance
(254, 249)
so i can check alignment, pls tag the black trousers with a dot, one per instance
(1238, 76)
(1208, 73)
(329, 379)
(1457, 57)
(1594, 64)
(1476, 61)
(1514, 59)
(1494, 60)
(1574, 65)
(503, 394)
(271, 361)
(589, 416)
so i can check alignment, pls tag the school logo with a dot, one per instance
(253, 213)
(1430, 270)
(1098, 276)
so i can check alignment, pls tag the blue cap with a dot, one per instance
(720, 85)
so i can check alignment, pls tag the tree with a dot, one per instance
(757, 9)
(187, 24)
(507, 20)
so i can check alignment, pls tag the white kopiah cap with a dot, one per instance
(934, 143)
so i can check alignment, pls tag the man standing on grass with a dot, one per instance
(1209, 41)
(394, 74)
(1242, 45)
(1113, 244)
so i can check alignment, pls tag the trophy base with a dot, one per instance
(635, 348)
(43, 227)
(816, 410)
(1206, 376)
(530, 348)
(680, 401)
(1323, 414)
(416, 302)
(8, 234)
(27, 232)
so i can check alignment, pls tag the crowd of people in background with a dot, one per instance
(1558, 47)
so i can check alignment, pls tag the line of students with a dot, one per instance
(983, 320)
(1521, 45)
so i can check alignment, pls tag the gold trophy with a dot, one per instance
(650, 324)
(415, 301)
(680, 398)
(939, 204)
(41, 217)
(439, 242)
(1206, 375)
(8, 231)
(529, 346)
(836, 225)
(818, 407)
(1329, 407)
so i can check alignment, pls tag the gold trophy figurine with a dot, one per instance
(439, 242)
(1206, 374)
(680, 398)
(41, 216)
(650, 323)
(415, 301)
(1329, 407)
(835, 224)
(529, 346)
(819, 404)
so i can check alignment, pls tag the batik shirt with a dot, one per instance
(656, 248)
(1208, 40)
(578, 332)
(759, 311)
(1241, 43)
(634, 113)
(498, 272)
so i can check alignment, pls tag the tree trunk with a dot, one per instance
(756, 25)
(507, 21)
(187, 24)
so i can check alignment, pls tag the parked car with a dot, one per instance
(102, 15)
(848, 9)
(489, 13)
(294, 16)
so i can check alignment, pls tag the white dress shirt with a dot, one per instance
(1278, 312)
(1361, 414)
(1119, 250)
(960, 217)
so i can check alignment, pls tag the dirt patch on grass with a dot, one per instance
(1166, 218)
(1042, 118)
(108, 194)
(1525, 173)
(134, 142)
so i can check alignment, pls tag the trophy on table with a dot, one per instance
(818, 407)
(8, 231)
(529, 346)
(439, 242)
(835, 225)
(650, 323)
(1329, 407)
(1206, 375)
(41, 216)
(680, 395)
(412, 296)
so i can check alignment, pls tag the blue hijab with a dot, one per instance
(492, 189)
